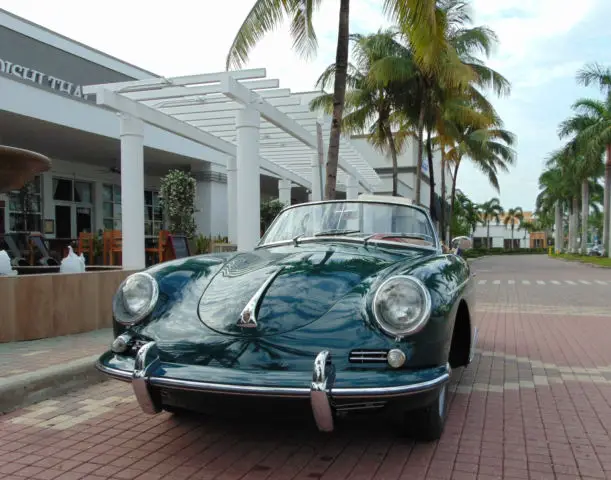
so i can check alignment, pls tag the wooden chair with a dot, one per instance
(159, 250)
(112, 244)
(86, 246)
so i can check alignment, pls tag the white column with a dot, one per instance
(132, 191)
(232, 200)
(317, 193)
(248, 182)
(352, 189)
(284, 191)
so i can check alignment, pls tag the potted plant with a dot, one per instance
(177, 197)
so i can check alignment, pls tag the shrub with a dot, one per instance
(177, 196)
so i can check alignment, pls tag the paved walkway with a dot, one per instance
(17, 358)
(535, 404)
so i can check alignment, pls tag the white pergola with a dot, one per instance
(250, 124)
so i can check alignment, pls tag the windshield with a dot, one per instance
(353, 218)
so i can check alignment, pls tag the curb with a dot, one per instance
(18, 391)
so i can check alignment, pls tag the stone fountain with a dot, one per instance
(17, 167)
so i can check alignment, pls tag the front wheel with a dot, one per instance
(427, 423)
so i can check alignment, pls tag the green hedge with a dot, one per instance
(480, 252)
(574, 257)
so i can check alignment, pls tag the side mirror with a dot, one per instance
(464, 243)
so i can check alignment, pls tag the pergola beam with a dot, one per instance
(123, 104)
(149, 83)
(284, 172)
(173, 92)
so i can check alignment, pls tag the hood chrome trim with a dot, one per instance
(248, 317)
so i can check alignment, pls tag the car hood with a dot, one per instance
(287, 288)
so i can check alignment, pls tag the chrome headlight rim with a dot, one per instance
(424, 316)
(120, 312)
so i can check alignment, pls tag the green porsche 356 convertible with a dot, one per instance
(344, 306)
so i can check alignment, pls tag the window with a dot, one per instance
(25, 208)
(153, 215)
(111, 198)
(65, 190)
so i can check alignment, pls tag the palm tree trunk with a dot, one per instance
(585, 213)
(429, 152)
(442, 217)
(452, 198)
(395, 165)
(575, 223)
(512, 234)
(488, 233)
(607, 204)
(420, 151)
(569, 245)
(559, 234)
(339, 95)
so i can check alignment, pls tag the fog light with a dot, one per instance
(396, 358)
(121, 343)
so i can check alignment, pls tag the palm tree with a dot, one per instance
(370, 101)
(597, 138)
(591, 127)
(420, 17)
(468, 210)
(489, 148)
(490, 210)
(584, 167)
(467, 43)
(513, 216)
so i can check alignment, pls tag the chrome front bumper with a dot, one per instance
(320, 392)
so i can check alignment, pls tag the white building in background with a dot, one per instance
(45, 108)
(500, 235)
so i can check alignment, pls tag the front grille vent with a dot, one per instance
(368, 356)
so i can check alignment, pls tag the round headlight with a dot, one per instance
(135, 298)
(402, 305)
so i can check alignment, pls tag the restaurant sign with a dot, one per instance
(41, 78)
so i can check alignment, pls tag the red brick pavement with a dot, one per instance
(535, 404)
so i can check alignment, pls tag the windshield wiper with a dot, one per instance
(419, 236)
(336, 231)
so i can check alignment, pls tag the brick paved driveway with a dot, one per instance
(535, 404)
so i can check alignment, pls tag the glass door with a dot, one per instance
(73, 207)
(83, 220)
(63, 221)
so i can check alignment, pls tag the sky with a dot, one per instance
(542, 44)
